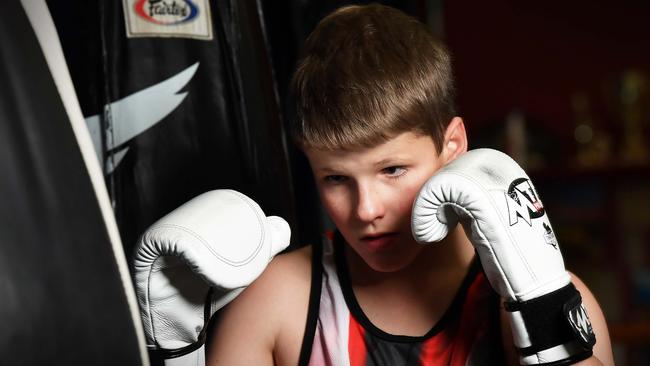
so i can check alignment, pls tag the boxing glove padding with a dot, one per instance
(496, 203)
(196, 260)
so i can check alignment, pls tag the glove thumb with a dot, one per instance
(280, 234)
(432, 217)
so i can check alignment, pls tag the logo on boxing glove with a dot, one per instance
(579, 321)
(523, 202)
(549, 237)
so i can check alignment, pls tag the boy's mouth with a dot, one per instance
(379, 241)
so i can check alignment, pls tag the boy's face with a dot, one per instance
(369, 193)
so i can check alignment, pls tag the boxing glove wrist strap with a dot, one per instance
(554, 321)
(165, 354)
(157, 355)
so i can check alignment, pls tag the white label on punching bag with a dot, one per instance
(168, 18)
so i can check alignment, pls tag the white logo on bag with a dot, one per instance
(580, 322)
(523, 202)
(134, 114)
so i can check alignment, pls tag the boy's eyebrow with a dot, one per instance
(327, 169)
(391, 160)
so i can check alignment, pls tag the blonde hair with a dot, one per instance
(369, 73)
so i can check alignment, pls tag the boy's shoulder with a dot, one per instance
(265, 324)
(285, 281)
(285, 286)
(292, 269)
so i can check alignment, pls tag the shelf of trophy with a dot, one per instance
(606, 172)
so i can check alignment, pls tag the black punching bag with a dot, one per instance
(65, 293)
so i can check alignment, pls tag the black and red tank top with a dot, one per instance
(338, 333)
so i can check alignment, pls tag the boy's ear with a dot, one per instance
(455, 142)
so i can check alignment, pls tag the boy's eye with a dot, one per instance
(335, 179)
(394, 171)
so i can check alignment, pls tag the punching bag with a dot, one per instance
(65, 292)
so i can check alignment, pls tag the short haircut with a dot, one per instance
(368, 73)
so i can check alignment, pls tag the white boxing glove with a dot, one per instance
(503, 216)
(196, 260)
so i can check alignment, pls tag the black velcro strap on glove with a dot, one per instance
(158, 356)
(554, 319)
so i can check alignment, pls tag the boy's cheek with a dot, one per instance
(336, 208)
(405, 201)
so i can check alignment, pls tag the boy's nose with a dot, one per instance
(369, 205)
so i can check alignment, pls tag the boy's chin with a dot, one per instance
(387, 267)
(389, 264)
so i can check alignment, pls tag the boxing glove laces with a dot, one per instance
(501, 212)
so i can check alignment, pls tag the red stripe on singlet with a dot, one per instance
(473, 321)
(356, 343)
(436, 351)
(452, 346)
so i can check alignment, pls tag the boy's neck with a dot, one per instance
(424, 290)
(452, 255)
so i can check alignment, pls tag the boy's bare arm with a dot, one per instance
(242, 336)
(265, 324)
(603, 348)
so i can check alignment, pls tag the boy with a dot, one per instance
(375, 118)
